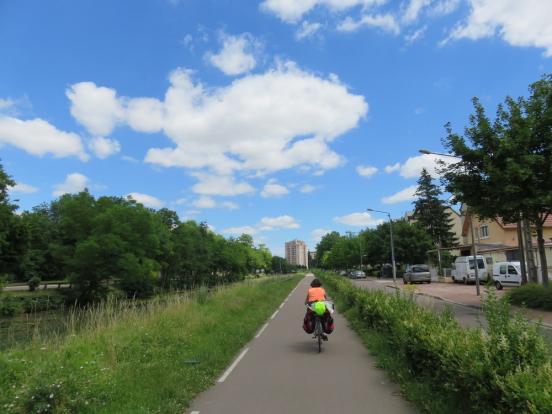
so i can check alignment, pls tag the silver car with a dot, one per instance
(357, 274)
(417, 273)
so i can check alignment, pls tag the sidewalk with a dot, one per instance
(465, 295)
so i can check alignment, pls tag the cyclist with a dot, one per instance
(317, 293)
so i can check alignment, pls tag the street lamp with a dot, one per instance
(474, 247)
(392, 244)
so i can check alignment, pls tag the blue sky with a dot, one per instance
(284, 119)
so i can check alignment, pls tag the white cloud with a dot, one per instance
(240, 230)
(145, 114)
(317, 234)
(38, 137)
(363, 219)
(385, 22)
(308, 188)
(230, 205)
(222, 185)
(412, 168)
(104, 147)
(146, 199)
(129, 159)
(415, 35)
(292, 10)
(307, 29)
(204, 202)
(444, 7)
(97, 108)
(285, 221)
(413, 9)
(274, 190)
(520, 23)
(366, 170)
(266, 224)
(74, 183)
(237, 54)
(408, 194)
(281, 119)
(22, 188)
(391, 168)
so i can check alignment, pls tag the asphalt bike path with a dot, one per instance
(281, 371)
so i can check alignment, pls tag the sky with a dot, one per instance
(282, 119)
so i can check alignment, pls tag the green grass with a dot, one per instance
(126, 358)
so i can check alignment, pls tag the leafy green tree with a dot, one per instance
(505, 166)
(325, 245)
(431, 212)
(13, 236)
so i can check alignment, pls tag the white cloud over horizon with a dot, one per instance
(74, 183)
(362, 219)
(146, 199)
(23, 188)
(265, 224)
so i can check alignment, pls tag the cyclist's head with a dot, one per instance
(316, 283)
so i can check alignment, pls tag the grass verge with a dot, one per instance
(444, 368)
(146, 358)
(533, 296)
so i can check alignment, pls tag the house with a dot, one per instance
(497, 240)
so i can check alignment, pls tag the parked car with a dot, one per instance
(342, 273)
(464, 270)
(417, 273)
(357, 274)
(507, 274)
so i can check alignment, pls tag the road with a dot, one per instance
(17, 288)
(280, 371)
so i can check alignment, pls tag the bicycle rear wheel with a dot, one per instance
(318, 330)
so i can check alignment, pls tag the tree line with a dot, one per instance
(114, 244)
(415, 241)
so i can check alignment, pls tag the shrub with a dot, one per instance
(34, 282)
(506, 369)
(532, 296)
(9, 306)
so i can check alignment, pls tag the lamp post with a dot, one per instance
(392, 244)
(474, 247)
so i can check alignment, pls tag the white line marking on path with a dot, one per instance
(234, 364)
(194, 412)
(274, 314)
(282, 305)
(262, 330)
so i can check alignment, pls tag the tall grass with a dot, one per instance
(137, 357)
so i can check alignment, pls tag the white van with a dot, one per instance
(464, 270)
(507, 274)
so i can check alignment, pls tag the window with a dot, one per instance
(484, 231)
(480, 264)
(502, 269)
(512, 270)
(489, 260)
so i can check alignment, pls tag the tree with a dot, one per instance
(13, 236)
(325, 245)
(431, 212)
(505, 167)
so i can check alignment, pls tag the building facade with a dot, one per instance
(297, 253)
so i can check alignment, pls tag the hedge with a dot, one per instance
(506, 368)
